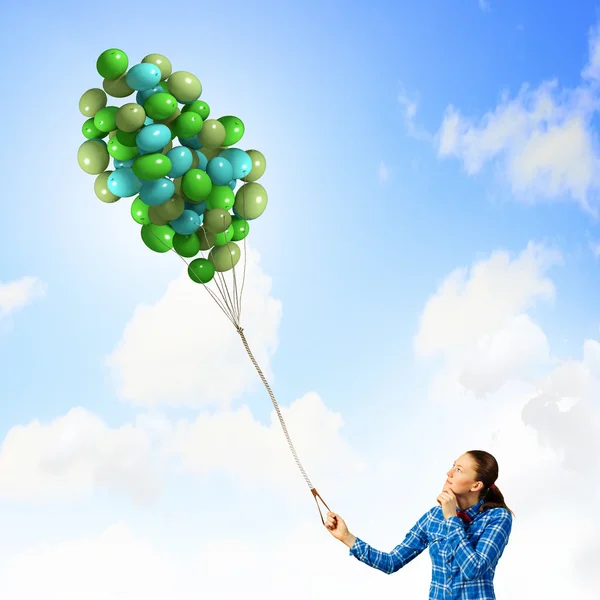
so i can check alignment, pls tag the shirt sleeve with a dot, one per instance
(389, 562)
(473, 562)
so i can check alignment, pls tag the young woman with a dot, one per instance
(466, 534)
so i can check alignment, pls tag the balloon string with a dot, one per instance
(235, 321)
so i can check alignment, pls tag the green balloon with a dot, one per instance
(216, 220)
(199, 107)
(152, 166)
(225, 257)
(213, 133)
(101, 188)
(241, 228)
(221, 196)
(119, 151)
(196, 185)
(162, 62)
(139, 212)
(172, 208)
(234, 130)
(185, 86)
(224, 237)
(155, 217)
(127, 139)
(187, 125)
(105, 119)
(207, 239)
(201, 270)
(186, 245)
(93, 157)
(160, 106)
(90, 131)
(158, 237)
(117, 88)
(130, 117)
(259, 164)
(250, 201)
(112, 63)
(92, 101)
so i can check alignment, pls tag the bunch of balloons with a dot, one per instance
(186, 198)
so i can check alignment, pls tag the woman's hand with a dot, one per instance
(447, 500)
(339, 530)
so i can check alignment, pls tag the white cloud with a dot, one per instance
(409, 108)
(15, 295)
(67, 458)
(478, 323)
(384, 173)
(183, 351)
(543, 138)
(235, 444)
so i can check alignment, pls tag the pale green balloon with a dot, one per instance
(156, 217)
(93, 157)
(172, 208)
(207, 239)
(162, 62)
(217, 220)
(185, 86)
(117, 88)
(92, 101)
(213, 134)
(224, 258)
(210, 153)
(259, 164)
(130, 117)
(101, 188)
(250, 201)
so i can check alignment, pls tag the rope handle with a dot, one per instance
(315, 494)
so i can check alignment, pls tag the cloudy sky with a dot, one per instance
(425, 281)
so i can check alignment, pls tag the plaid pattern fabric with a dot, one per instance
(463, 555)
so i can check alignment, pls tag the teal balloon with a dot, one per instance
(153, 138)
(189, 222)
(181, 161)
(199, 208)
(219, 170)
(123, 183)
(142, 96)
(157, 191)
(240, 161)
(202, 161)
(119, 164)
(232, 184)
(148, 120)
(143, 76)
(192, 142)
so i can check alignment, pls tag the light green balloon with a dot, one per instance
(224, 258)
(93, 157)
(162, 62)
(185, 86)
(259, 164)
(250, 201)
(92, 101)
(130, 117)
(101, 188)
(213, 134)
(216, 220)
(207, 239)
(117, 88)
(172, 208)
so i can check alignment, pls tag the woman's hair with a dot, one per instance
(486, 469)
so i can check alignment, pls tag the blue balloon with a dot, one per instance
(197, 208)
(202, 161)
(219, 170)
(193, 142)
(119, 164)
(153, 138)
(124, 183)
(148, 120)
(232, 184)
(142, 96)
(156, 192)
(240, 161)
(143, 76)
(181, 160)
(189, 222)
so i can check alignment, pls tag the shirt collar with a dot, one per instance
(473, 510)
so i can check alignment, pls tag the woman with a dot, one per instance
(465, 545)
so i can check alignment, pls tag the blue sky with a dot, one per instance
(374, 200)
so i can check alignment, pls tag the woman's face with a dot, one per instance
(462, 476)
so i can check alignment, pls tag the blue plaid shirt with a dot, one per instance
(463, 555)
